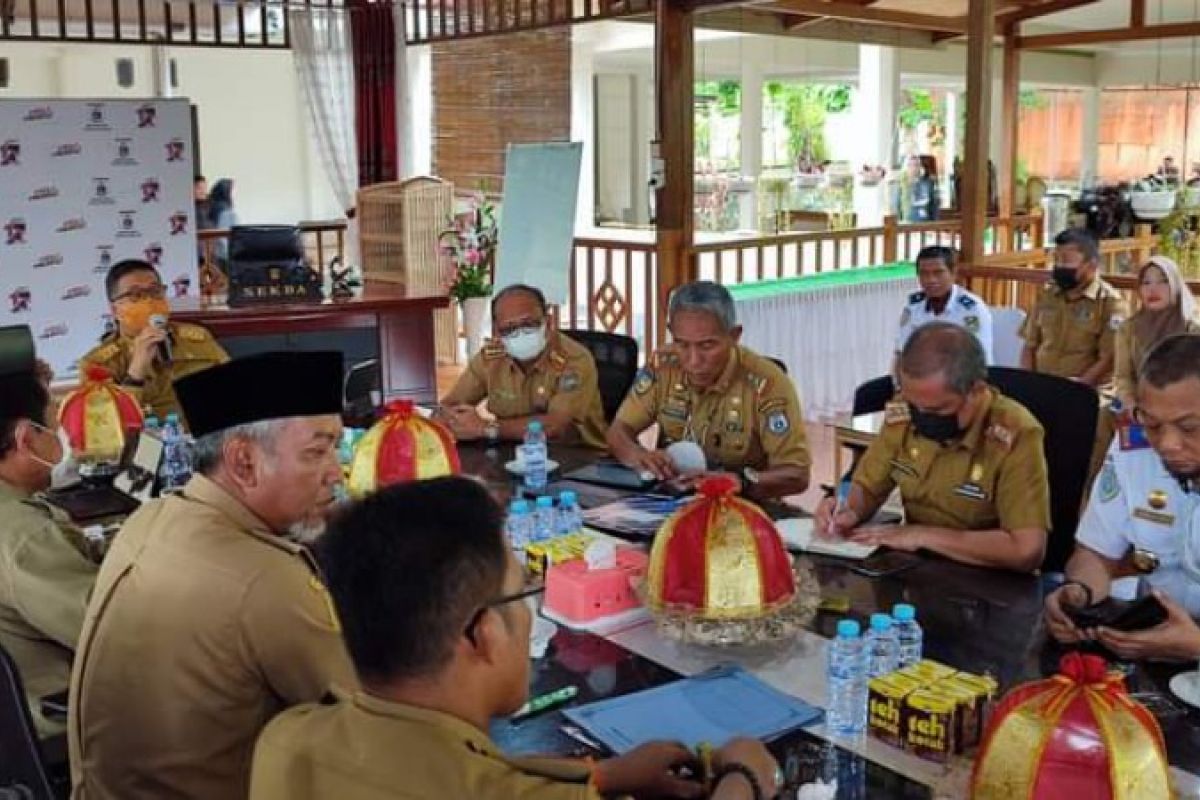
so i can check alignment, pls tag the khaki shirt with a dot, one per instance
(562, 379)
(45, 580)
(193, 349)
(993, 477)
(1071, 333)
(204, 625)
(366, 748)
(1129, 353)
(751, 417)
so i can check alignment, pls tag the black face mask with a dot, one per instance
(1066, 278)
(941, 428)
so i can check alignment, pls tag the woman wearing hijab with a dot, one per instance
(1167, 307)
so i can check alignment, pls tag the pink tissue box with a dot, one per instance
(578, 594)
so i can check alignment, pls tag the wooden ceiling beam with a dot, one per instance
(803, 22)
(877, 16)
(1019, 15)
(768, 20)
(1109, 36)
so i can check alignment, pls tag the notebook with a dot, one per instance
(798, 534)
(710, 707)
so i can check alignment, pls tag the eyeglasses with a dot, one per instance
(525, 595)
(143, 293)
(519, 326)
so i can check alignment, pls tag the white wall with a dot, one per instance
(251, 120)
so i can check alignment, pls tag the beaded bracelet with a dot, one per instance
(739, 769)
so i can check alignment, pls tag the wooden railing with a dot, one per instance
(447, 20)
(612, 288)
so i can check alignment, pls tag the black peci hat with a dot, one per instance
(16, 350)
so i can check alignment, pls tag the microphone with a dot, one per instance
(164, 347)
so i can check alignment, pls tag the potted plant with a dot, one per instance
(1152, 199)
(469, 243)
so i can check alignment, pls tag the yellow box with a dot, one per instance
(540, 555)
(929, 721)
(928, 672)
(885, 707)
(966, 716)
(985, 687)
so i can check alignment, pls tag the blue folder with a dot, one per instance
(710, 707)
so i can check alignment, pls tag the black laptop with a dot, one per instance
(135, 483)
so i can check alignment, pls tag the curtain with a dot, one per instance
(325, 70)
(373, 32)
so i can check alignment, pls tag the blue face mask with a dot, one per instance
(526, 344)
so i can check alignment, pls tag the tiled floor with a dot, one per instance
(820, 440)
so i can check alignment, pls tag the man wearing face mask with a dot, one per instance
(145, 352)
(968, 462)
(1071, 331)
(45, 576)
(528, 372)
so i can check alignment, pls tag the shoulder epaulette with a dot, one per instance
(966, 301)
(663, 358)
(916, 297)
(104, 353)
(191, 333)
(896, 412)
(493, 350)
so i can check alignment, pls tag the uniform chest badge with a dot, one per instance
(976, 473)
(1157, 500)
(1107, 487)
(569, 382)
(778, 423)
(1083, 314)
(644, 382)
(971, 323)
(971, 491)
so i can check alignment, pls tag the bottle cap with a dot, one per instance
(545, 501)
(881, 622)
(152, 421)
(534, 426)
(568, 498)
(519, 507)
(847, 628)
(903, 612)
(172, 417)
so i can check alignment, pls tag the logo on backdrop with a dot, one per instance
(179, 223)
(153, 254)
(51, 260)
(54, 331)
(100, 193)
(10, 153)
(175, 150)
(104, 259)
(146, 116)
(124, 153)
(14, 231)
(44, 193)
(68, 149)
(76, 292)
(72, 224)
(127, 228)
(39, 113)
(20, 300)
(150, 189)
(97, 118)
(181, 285)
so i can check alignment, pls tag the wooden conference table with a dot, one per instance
(974, 619)
(389, 322)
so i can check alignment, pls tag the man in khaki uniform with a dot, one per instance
(741, 408)
(146, 353)
(206, 621)
(1072, 328)
(968, 461)
(527, 372)
(45, 577)
(434, 609)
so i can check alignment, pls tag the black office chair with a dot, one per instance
(23, 769)
(616, 359)
(362, 392)
(1067, 411)
(873, 395)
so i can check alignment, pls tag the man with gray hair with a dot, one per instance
(968, 462)
(740, 408)
(206, 621)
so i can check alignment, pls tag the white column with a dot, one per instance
(875, 106)
(420, 102)
(751, 133)
(643, 111)
(996, 126)
(583, 105)
(1090, 144)
(954, 102)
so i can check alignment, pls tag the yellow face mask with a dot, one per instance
(135, 315)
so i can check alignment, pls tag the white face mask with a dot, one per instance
(526, 344)
(63, 472)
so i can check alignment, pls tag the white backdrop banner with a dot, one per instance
(83, 185)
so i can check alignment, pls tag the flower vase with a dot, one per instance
(474, 313)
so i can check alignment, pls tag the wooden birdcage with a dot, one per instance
(398, 228)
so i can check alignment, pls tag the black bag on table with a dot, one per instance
(267, 265)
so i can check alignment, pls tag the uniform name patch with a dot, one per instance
(971, 491)
(901, 466)
(1157, 517)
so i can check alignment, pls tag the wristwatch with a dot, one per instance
(752, 476)
(492, 431)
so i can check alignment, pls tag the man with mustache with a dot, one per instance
(207, 619)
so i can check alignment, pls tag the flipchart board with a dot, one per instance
(83, 185)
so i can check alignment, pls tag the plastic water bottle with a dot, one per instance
(544, 519)
(846, 678)
(882, 647)
(152, 425)
(534, 452)
(909, 636)
(177, 462)
(570, 518)
(516, 527)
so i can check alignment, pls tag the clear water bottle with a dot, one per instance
(152, 425)
(177, 461)
(545, 518)
(909, 636)
(570, 518)
(846, 679)
(882, 647)
(534, 455)
(517, 526)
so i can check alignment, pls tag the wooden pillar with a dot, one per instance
(674, 82)
(1006, 174)
(981, 24)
